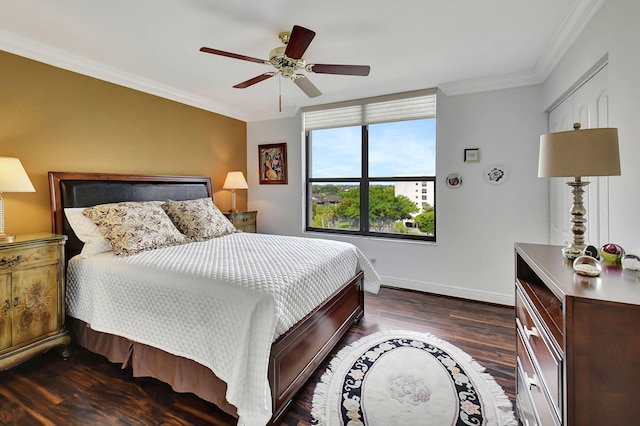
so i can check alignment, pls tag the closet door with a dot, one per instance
(589, 106)
(560, 199)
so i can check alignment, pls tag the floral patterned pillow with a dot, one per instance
(132, 227)
(198, 220)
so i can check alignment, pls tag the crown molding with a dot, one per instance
(477, 85)
(31, 49)
(581, 12)
(580, 15)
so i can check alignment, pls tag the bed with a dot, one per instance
(293, 351)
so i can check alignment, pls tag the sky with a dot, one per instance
(395, 149)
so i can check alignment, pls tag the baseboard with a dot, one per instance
(446, 290)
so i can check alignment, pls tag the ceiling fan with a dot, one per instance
(287, 61)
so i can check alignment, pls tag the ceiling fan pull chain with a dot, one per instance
(279, 93)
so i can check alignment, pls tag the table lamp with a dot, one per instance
(578, 153)
(13, 178)
(234, 180)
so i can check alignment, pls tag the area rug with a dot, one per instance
(408, 378)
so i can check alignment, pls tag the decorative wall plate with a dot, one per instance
(495, 175)
(454, 180)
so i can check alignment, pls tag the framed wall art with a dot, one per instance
(472, 155)
(272, 161)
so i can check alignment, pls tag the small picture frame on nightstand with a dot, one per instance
(472, 155)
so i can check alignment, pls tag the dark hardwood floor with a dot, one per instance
(87, 389)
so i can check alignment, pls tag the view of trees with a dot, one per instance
(338, 207)
(426, 221)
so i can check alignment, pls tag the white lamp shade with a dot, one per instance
(576, 153)
(235, 180)
(13, 177)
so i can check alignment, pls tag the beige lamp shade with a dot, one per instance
(235, 180)
(576, 153)
(13, 177)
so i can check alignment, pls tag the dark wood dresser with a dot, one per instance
(578, 341)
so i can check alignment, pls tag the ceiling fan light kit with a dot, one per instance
(287, 60)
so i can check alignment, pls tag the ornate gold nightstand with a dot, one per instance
(31, 297)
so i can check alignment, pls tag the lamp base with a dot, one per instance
(6, 238)
(233, 202)
(578, 212)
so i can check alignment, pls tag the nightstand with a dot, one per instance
(31, 297)
(243, 221)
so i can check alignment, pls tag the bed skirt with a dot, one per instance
(182, 374)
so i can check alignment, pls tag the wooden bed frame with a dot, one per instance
(297, 353)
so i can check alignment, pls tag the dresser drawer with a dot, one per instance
(22, 257)
(530, 391)
(246, 228)
(524, 404)
(535, 338)
(244, 219)
(246, 224)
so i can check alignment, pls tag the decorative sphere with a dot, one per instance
(592, 251)
(611, 253)
(571, 253)
(631, 261)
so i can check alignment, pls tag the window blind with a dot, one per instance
(382, 109)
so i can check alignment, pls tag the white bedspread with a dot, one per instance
(220, 302)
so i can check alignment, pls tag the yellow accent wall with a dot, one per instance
(57, 120)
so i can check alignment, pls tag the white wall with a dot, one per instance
(279, 206)
(615, 30)
(477, 223)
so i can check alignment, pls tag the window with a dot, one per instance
(365, 162)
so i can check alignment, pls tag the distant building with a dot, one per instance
(420, 192)
(331, 199)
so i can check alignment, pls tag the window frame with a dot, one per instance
(364, 181)
(398, 107)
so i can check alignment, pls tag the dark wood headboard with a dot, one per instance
(70, 189)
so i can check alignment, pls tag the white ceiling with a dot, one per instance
(461, 46)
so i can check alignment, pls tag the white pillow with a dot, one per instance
(87, 232)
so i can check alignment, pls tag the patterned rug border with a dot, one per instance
(503, 404)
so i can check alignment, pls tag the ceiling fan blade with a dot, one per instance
(307, 87)
(254, 80)
(299, 41)
(232, 55)
(362, 70)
